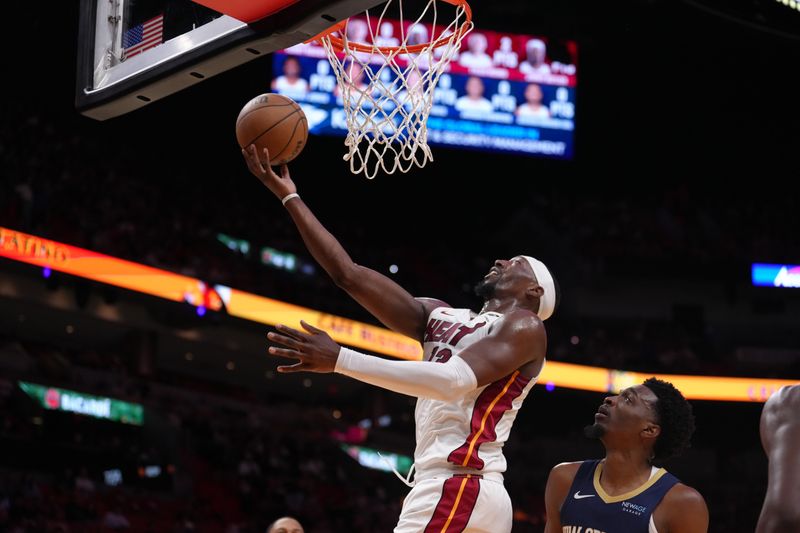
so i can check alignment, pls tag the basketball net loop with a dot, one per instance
(387, 91)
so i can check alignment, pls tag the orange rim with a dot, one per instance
(338, 43)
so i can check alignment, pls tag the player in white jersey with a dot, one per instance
(477, 369)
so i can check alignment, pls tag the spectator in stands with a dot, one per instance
(287, 524)
(83, 482)
(114, 519)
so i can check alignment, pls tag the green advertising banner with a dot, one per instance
(378, 460)
(85, 404)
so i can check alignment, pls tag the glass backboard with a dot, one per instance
(133, 52)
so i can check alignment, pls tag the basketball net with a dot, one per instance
(387, 91)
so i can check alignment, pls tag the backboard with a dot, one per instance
(134, 52)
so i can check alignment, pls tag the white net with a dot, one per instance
(386, 83)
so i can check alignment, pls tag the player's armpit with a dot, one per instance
(514, 340)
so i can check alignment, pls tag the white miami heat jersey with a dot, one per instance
(465, 434)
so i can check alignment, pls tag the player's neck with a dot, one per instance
(496, 305)
(624, 470)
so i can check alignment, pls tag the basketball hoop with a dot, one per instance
(386, 84)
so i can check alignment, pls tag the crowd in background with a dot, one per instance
(238, 460)
(56, 187)
(235, 459)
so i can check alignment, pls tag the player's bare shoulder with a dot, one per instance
(683, 508)
(780, 410)
(786, 400)
(523, 328)
(429, 304)
(559, 481)
(520, 322)
(684, 497)
(564, 473)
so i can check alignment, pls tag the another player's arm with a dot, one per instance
(780, 437)
(383, 298)
(682, 510)
(515, 340)
(557, 490)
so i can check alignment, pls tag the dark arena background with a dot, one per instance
(124, 410)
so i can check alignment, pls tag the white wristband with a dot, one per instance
(424, 379)
(289, 197)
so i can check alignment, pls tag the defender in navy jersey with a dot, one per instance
(625, 492)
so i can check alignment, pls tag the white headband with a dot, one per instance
(547, 302)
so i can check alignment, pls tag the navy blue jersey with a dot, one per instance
(589, 509)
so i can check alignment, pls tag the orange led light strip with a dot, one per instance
(134, 276)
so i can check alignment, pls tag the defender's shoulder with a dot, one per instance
(564, 473)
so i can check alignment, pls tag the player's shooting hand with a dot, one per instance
(315, 351)
(279, 185)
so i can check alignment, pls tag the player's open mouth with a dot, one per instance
(602, 411)
(492, 271)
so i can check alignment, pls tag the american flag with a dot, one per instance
(143, 36)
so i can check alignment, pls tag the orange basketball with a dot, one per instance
(274, 122)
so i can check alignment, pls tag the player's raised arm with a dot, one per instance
(386, 300)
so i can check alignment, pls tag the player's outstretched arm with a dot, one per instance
(386, 300)
(516, 339)
(315, 351)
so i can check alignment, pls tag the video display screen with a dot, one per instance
(502, 92)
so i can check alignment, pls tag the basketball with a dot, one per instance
(274, 122)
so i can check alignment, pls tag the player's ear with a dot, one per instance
(651, 431)
(534, 290)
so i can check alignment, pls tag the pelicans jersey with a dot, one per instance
(588, 509)
(459, 455)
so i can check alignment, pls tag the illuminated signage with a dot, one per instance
(113, 477)
(14, 243)
(277, 259)
(794, 4)
(241, 304)
(268, 256)
(85, 404)
(769, 275)
(237, 245)
(379, 460)
(129, 275)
